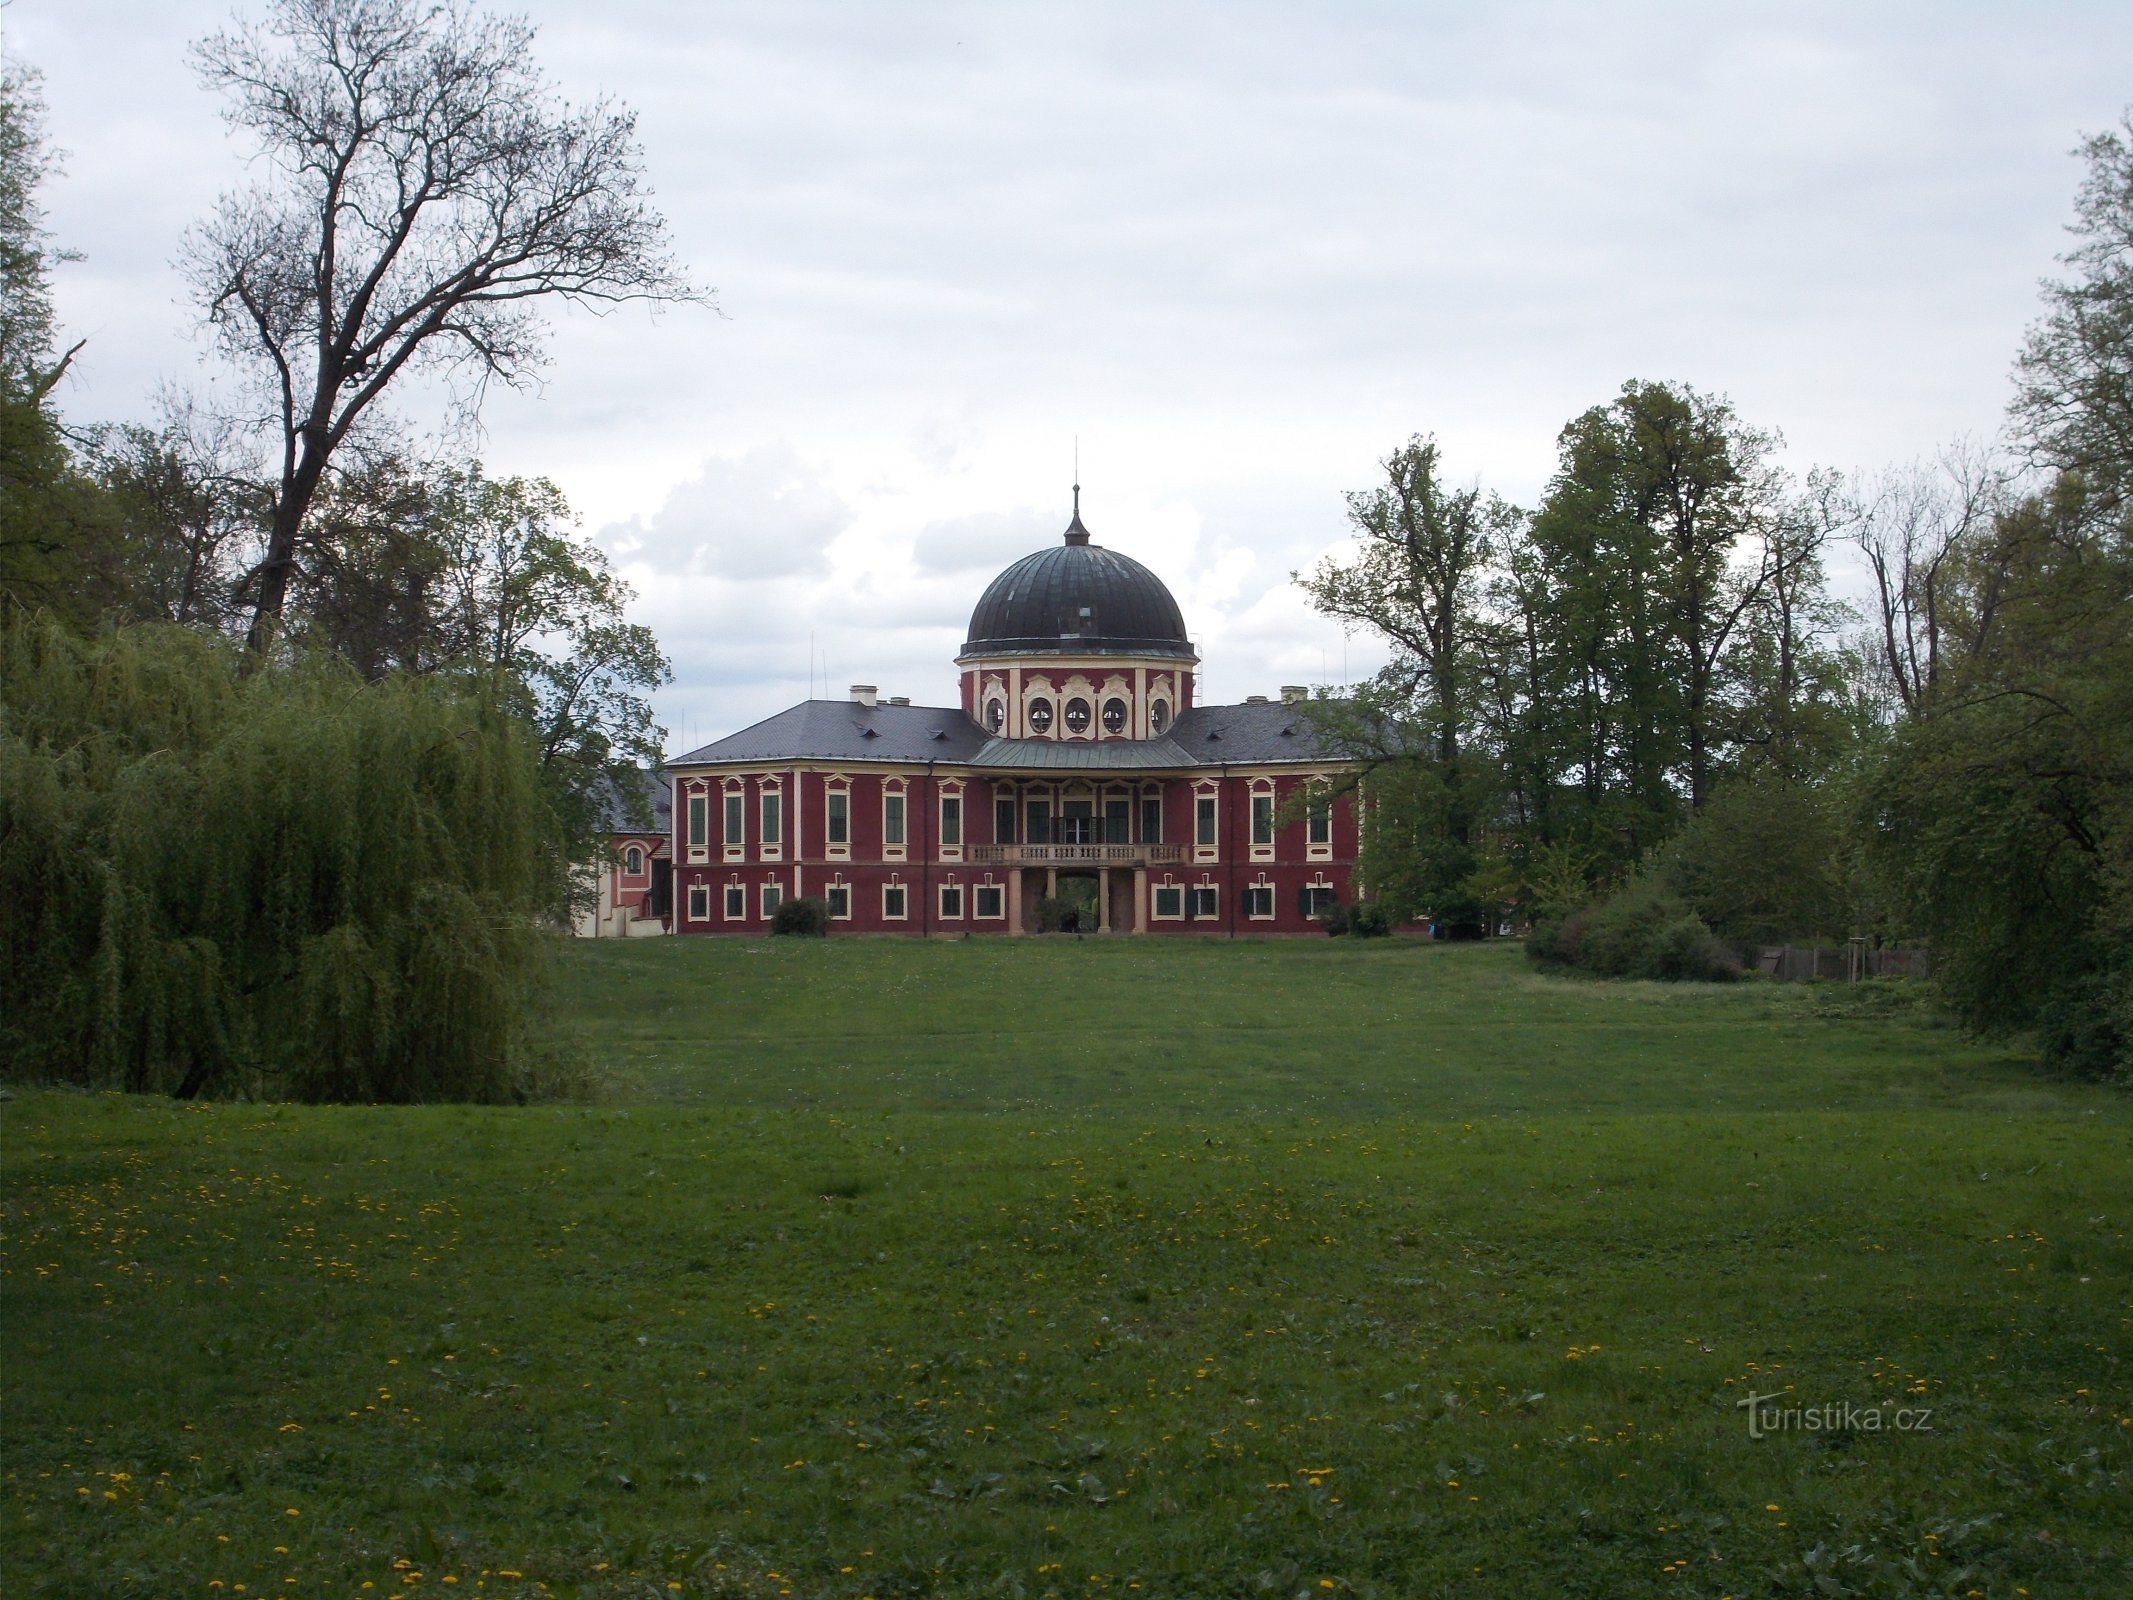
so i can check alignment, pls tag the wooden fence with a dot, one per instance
(1797, 963)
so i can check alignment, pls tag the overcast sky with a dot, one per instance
(1240, 250)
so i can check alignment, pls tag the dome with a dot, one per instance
(1077, 598)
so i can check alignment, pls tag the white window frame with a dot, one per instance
(835, 793)
(1142, 802)
(633, 861)
(950, 851)
(699, 902)
(1207, 795)
(946, 890)
(1193, 893)
(896, 849)
(1263, 792)
(1261, 892)
(1155, 904)
(830, 894)
(1321, 814)
(696, 840)
(998, 891)
(768, 897)
(1315, 888)
(902, 891)
(731, 891)
(733, 809)
(770, 817)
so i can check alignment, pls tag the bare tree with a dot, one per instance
(1914, 524)
(424, 187)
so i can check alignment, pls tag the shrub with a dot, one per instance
(1333, 917)
(1367, 920)
(285, 882)
(1642, 931)
(806, 915)
(1557, 941)
(1057, 914)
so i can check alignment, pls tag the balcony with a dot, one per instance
(1075, 855)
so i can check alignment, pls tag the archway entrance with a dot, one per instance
(1076, 894)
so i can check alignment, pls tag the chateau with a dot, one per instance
(1078, 766)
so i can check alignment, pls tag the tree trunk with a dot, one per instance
(295, 499)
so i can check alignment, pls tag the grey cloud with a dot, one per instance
(983, 542)
(762, 515)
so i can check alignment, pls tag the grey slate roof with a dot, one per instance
(653, 803)
(842, 730)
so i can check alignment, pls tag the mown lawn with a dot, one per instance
(1098, 1268)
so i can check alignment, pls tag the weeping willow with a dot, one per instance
(287, 882)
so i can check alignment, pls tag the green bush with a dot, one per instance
(1333, 917)
(1368, 920)
(283, 882)
(1642, 931)
(806, 915)
(1058, 914)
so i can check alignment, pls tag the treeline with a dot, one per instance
(1639, 716)
(307, 729)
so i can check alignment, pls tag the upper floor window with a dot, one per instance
(995, 714)
(697, 820)
(892, 819)
(1114, 715)
(1003, 821)
(1203, 812)
(773, 818)
(1040, 716)
(1039, 830)
(1151, 819)
(1077, 715)
(837, 817)
(1322, 822)
(1159, 715)
(1262, 819)
(733, 818)
(633, 860)
(951, 819)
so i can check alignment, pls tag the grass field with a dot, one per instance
(1094, 1268)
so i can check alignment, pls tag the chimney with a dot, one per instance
(1293, 692)
(899, 699)
(862, 694)
(1255, 699)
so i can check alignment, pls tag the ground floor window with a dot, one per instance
(1170, 900)
(893, 901)
(839, 896)
(772, 894)
(951, 902)
(1205, 901)
(1316, 897)
(699, 902)
(736, 903)
(990, 902)
(1259, 900)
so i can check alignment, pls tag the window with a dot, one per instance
(1040, 716)
(1040, 822)
(773, 818)
(1203, 813)
(697, 821)
(699, 902)
(1169, 901)
(732, 835)
(1205, 901)
(892, 819)
(736, 903)
(892, 902)
(1151, 819)
(951, 902)
(1259, 900)
(1077, 822)
(995, 715)
(1118, 822)
(1159, 715)
(837, 817)
(1114, 715)
(951, 819)
(769, 899)
(989, 901)
(633, 861)
(1322, 822)
(1262, 819)
(1077, 715)
(1003, 822)
(839, 896)
(1314, 898)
